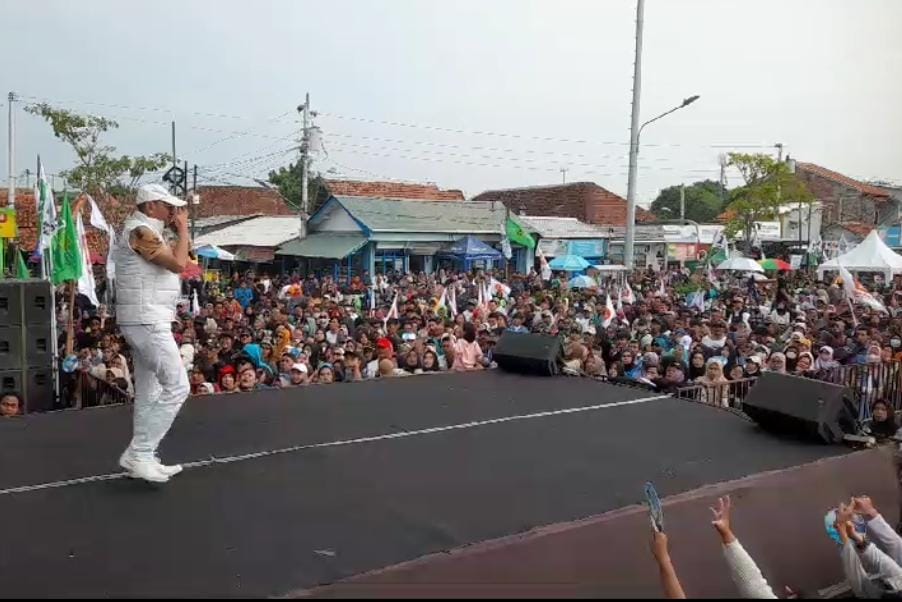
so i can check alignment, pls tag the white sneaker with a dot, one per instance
(170, 470)
(137, 469)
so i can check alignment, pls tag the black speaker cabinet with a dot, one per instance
(34, 386)
(528, 353)
(801, 407)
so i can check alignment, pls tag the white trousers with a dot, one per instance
(161, 385)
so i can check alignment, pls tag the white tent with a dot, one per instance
(871, 255)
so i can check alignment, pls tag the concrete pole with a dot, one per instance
(634, 142)
(11, 192)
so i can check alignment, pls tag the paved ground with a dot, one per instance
(444, 461)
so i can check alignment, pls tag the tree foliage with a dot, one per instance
(288, 181)
(703, 202)
(767, 185)
(98, 170)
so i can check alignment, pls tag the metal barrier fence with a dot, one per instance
(869, 382)
(725, 395)
(90, 391)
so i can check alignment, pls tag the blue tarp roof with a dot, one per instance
(469, 247)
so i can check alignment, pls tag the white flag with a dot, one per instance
(452, 299)
(609, 313)
(46, 209)
(99, 222)
(86, 284)
(627, 293)
(195, 304)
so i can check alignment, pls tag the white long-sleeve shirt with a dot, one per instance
(869, 570)
(886, 538)
(745, 573)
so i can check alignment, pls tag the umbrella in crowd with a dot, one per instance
(774, 264)
(740, 264)
(214, 252)
(582, 282)
(569, 263)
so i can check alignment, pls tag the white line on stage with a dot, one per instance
(340, 443)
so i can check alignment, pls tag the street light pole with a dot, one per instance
(628, 242)
(634, 141)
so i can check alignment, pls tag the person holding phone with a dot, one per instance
(147, 289)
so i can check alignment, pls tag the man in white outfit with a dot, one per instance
(147, 289)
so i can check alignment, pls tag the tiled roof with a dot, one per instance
(240, 200)
(586, 201)
(392, 190)
(856, 228)
(838, 178)
(393, 215)
(266, 231)
(562, 227)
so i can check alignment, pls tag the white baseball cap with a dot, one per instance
(299, 368)
(155, 192)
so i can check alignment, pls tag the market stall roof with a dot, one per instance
(266, 231)
(329, 245)
(470, 247)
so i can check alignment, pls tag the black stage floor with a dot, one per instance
(334, 505)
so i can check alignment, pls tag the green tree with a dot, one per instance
(98, 170)
(288, 181)
(703, 202)
(767, 185)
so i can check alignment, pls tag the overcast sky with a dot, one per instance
(494, 94)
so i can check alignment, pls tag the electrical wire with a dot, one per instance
(520, 136)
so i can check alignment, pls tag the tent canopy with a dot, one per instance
(470, 248)
(870, 255)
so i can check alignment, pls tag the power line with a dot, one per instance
(519, 136)
(135, 108)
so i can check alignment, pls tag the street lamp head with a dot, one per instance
(690, 100)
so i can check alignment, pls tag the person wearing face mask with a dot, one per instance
(895, 344)
(792, 355)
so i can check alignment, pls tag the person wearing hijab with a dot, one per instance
(804, 364)
(825, 359)
(883, 423)
(777, 363)
(716, 386)
(696, 366)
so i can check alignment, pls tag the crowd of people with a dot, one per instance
(664, 330)
(869, 550)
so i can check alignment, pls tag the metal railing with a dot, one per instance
(868, 382)
(90, 391)
(729, 394)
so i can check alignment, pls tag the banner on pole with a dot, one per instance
(8, 226)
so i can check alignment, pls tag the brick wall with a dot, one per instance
(585, 201)
(392, 190)
(843, 203)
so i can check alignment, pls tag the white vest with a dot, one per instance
(145, 292)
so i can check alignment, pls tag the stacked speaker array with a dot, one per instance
(26, 357)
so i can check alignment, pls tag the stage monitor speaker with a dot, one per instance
(25, 302)
(528, 353)
(34, 386)
(800, 406)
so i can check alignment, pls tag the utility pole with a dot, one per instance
(563, 171)
(305, 201)
(682, 202)
(175, 162)
(628, 242)
(723, 180)
(194, 200)
(11, 192)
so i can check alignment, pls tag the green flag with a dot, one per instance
(517, 234)
(22, 271)
(65, 252)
